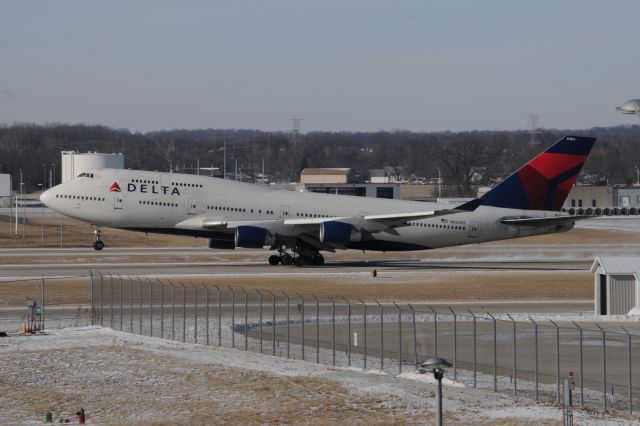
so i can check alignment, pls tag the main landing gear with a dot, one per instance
(98, 244)
(301, 256)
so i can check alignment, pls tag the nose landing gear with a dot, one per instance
(98, 244)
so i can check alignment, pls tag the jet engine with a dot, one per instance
(338, 232)
(253, 237)
(220, 240)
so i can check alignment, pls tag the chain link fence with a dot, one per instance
(522, 356)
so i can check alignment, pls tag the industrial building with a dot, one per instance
(590, 196)
(74, 163)
(617, 285)
(327, 176)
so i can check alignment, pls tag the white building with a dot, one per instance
(617, 285)
(74, 163)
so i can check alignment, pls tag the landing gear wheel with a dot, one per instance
(318, 260)
(274, 259)
(300, 261)
(98, 245)
(287, 259)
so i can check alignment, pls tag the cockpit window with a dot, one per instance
(89, 175)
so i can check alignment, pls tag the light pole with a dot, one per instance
(437, 366)
(637, 175)
(439, 184)
(42, 185)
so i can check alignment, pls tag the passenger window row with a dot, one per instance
(312, 215)
(190, 185)
(237, 209)
(158, 203)
(437, 225)
(145, 181)
(79, 197)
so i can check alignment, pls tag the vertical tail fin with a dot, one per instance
(544, 182)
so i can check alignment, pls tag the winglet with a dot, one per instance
(544, 182)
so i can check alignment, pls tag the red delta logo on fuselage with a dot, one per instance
(114, 187)
(145, 188)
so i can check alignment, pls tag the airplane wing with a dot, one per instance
(543, 221)
(374, 223)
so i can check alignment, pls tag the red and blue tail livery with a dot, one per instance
(544, 182)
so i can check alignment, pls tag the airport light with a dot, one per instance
(437, 366)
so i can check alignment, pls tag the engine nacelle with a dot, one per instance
(338, 232)
(220, 240)
(253, 237)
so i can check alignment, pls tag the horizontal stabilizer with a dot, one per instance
(543, 221)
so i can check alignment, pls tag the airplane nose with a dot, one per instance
(44, 197)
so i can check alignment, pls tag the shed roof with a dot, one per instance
(326, 171)
(617, 264)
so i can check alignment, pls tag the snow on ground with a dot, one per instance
(123, 378)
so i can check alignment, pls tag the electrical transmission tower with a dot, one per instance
(533, 127)
(295, 132)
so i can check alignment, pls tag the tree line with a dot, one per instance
(465, 159)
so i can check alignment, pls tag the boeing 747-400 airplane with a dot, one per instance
(301, 225)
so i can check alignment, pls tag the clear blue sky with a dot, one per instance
(339, 65)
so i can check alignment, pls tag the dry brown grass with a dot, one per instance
(166, 390)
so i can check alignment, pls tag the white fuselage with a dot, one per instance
(157, 202)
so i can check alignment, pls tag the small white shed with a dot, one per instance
(617, 285)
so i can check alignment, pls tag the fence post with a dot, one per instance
(288, 325)
(260, 315)
(535, 344)
(195, 314)
(206, 294)
(399, 337)
(415, 335)
(333, 331)
(301, 309)
(455, 344)
(42, 300)
(495, 354)
(140, 306)
(130, 304)
(515, 358)
(233, 317)
(604, 370)
(101, 300)
(173, 311)
(318, 332)
(184, 313)
(110, 301)
(161, 309)
(246, 319)
(475, 350)
(91, 296)
(581, 365)
(557, 361)
(435, 331)
(273, 323)
(120, 293)
(629, 365)
(349, 337)
(381, 335)
(151, 308)
(219, 297)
